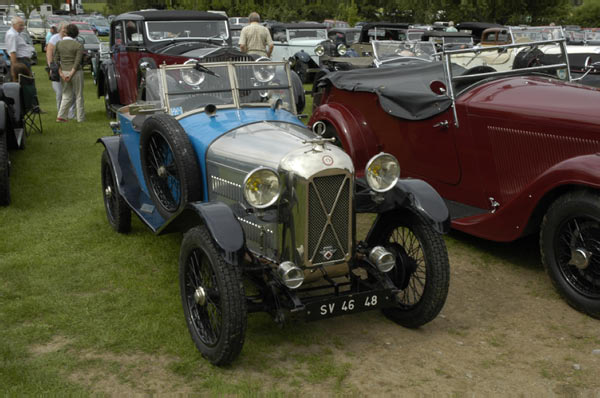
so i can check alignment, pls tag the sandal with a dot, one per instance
(61, 120)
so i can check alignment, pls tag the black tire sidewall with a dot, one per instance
(119, 218)
(185, 160)
(4, 171)
(232, 298)
(437, 269)
(572, 205)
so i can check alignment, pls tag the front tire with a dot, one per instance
(107, 105)
(4, 171)
(213, 298)
(570, 248)
(118, 213)
(422, 270)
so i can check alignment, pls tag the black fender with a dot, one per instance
(414, 195)
(224, 228)
(109, 81)
(112, 144)
(302, 56)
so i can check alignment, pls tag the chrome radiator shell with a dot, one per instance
(312, 223)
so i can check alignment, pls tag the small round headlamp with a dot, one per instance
(261, 188)
(320, 50)
(382, 172)
(342, 49)
(192, 76)
(264, 73)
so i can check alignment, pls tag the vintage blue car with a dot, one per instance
(267, 206)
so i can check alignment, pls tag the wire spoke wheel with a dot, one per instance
(422, 271)
(570, 248)
(213, 298)
(163, 173)
(4, 171)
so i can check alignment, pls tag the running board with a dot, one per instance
(460, 210)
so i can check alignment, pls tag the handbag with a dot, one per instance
(53, 73)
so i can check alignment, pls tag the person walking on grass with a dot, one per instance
(255, 38)
(50, 48)
(68, 55)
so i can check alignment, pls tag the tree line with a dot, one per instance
(506, 12)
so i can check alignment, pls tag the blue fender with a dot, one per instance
(224, 228)
(414, 195)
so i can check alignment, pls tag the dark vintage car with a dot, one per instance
(297, 43)
(513, 153)
(268, 207)
(91, 46)
(151, 38)
(12, 132)
(476, 29)
(448, 40)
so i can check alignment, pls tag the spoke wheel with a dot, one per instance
(213, 298)
(169, 164)
(4, 171)
(570, 248)
(422, 271)
(118, 213)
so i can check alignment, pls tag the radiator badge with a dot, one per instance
(327, 160)
(327, 252)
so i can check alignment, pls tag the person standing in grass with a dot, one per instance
(50, 48)
(16, 46)
(68, 55)
(255, 38)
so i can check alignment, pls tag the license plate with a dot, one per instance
(348, 304)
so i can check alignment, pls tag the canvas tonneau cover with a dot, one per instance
(403, 91)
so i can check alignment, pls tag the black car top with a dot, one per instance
(169, 15)
(477, 28)
(364, 34)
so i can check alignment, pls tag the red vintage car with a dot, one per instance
(151, 38)
(513, 153)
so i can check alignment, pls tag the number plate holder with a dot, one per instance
(349, 304)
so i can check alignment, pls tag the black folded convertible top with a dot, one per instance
(403, 91)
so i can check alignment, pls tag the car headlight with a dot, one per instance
(342, 49)
(320, 50)
(382, 172)
(261, 188)
(264, 73)
(192, 76)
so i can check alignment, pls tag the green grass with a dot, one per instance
(78, 301)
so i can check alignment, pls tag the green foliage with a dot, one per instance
(588, 15)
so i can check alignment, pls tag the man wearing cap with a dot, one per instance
(16, 46)
(255, 38)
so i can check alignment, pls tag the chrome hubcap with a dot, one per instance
(108, 192)
(580, 258)
(162, 171)
(200, 296)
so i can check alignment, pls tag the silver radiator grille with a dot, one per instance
(328, 219)
(226, 188)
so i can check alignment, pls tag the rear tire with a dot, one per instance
(107, 105)
(213, 298)
(4, 171)
(570, 232)
(118, 213)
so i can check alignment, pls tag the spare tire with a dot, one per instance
(528, 58)
(299, 99)
(169, 164)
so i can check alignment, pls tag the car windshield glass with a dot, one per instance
(386, 34)
(320, 34)
(100, 22)
(524, 35)
(592, 35)
(35, 24)
(182, 30)
(483, 62)
(388, 50)
(352, 37)
(188, 89)
(89, 38)
(458, 40)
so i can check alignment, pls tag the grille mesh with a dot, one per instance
(327, 189)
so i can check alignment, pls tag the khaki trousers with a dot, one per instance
(72, 91)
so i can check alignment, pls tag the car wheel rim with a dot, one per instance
(163, 174)
(410, 255)
(577, 251)
(202, 297)
(110, 193)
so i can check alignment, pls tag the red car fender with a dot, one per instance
(523, 214)
(356, 137)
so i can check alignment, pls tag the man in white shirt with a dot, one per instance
(16, 46)
(50, 48)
